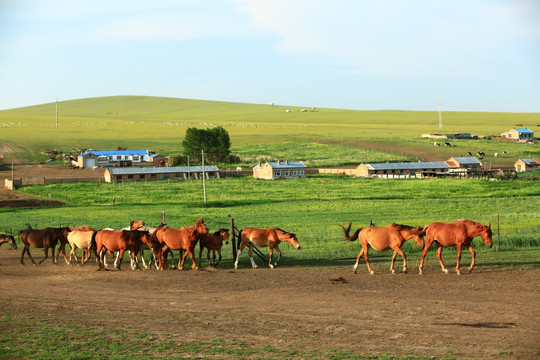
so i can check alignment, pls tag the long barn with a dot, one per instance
(160, 173)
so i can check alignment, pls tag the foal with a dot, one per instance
(213, 242)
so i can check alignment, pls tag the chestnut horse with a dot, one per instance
(270, 238)
(45, 238)
(458, 233)
(213, 242)
(183, 239)
(114, 240)
(383, 238)
(82, 240)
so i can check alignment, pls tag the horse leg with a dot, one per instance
(192, 256)
(473, 257)
(250, 253)
(219, 253)
(134, 259)
(279, 255)
(400, 252)
(458, 258)
(214, 257)
(201, 250)
(393, 259)
(271, 253)
(46, 250)
(61, 247)
(371, 272)
(439, 256)
(27, 250)
(424, 252)
(242, 246)
(358, 260)
(119, 259)
(182, 255)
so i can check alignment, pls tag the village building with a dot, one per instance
(271, 170)
(401, 170)
(519, 134)
(160, 173)
(523, 165)
(464, 162)
(94, 158)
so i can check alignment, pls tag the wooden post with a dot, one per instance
(114, 199)
(498, 235)
(233, 240)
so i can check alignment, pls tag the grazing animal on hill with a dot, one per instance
(436, 144)
(481, 153)
(383, 238)
(270, 238)
(469, 153)
(447, 144)
(213, 242)
(458, 233)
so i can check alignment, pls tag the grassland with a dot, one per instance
(159, 124)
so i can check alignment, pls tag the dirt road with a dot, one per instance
(483, 315)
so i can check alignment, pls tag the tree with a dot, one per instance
(215, 142)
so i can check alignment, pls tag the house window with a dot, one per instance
(301, 172)
(136, 158)
(103, 159)
(294, 172)
(153, 176)
(509, 135)
(277, 173)
(285, 172)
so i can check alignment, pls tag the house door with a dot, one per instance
(90, 162)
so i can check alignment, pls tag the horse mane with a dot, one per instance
(219, 231)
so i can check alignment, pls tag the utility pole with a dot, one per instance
(203, 176)
(57, 113)
(440, 114)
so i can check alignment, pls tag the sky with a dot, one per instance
(481, 55)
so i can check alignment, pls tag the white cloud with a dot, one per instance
(394, 38)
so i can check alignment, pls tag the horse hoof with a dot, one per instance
(420, 272)
(372, 272)
(404, 270)
(393, 271)
(445, 271)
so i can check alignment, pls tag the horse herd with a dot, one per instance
(164, 240)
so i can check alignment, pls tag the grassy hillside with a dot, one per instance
(159, 124)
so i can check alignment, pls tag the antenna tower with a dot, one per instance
(440, 114)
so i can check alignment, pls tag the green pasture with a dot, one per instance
(159, 124)
(312, 207)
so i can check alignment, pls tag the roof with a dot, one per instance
(116, 152)
(160, 170)
(531, 161)
(283, 165)
(520, 130)
(467, 160)
(408, 165)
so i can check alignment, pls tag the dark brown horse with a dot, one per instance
(458, 233)
(183, 239)
(383, 238)
(114, 240)
(213, 242)
(270, 238)
(46, 238)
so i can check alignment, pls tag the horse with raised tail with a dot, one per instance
(383, 238)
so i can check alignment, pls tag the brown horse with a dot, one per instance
(383, 238)
(270, 238)
(183, 239)
(213, 242)
(8, 239)
(114, 240)
(46, 238)
(458, 233)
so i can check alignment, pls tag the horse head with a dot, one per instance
(418, 236)
(11, 241)
(200, 227)
(293, 240)
(224, 235)
(135, 224)
(486, 235)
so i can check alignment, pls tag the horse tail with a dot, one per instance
(93, 244)
(347, 230)
(239, 240)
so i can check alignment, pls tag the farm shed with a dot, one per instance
(112, 157)
(160, 173)
(401, 170)
(464, 162)
(519, 134)
(279, 170)
(523, 165)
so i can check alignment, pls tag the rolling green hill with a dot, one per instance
(159, 124)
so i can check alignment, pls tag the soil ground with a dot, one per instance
(487, 314)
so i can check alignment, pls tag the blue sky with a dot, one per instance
(481, 55)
